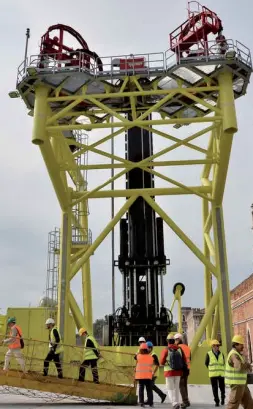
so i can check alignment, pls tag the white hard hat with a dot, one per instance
(141, 339)
(50, 321)
(178, 336)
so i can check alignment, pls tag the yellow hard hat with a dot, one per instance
(82, 331)
(238, 339)
(170, 336)
(215, 342)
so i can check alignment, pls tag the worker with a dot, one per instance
(215, 362)
(55, 348)
(222, 43)
(91, 356)
(183, 385)
(236, 376)
(155, 372)
(144, 374)
(140, 341)
(15, 343)
(174, 362)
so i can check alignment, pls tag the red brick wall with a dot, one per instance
(242, 313)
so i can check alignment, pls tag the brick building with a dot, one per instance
(242, 313)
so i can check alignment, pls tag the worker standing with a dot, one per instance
(174, 363)
(236, 376)
(144, 374)
(15, 344)
(55, 348)
(183, 385)
(155, 372)
(215, 362)
(91, 356)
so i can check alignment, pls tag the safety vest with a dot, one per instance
(187, 352)
(166, 366)
(144, 367)
(216, 366)
(152, 354)
(232, 375)
(16, 342)
(89, 353)
(52, 339)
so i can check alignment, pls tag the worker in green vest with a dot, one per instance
(91, 356)
(236, 372)
(215, 362)
(55, 348)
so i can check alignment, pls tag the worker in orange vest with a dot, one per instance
(183, 385)
(15, 344)
(144, 374)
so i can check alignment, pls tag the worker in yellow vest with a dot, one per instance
(215, 362)
(236, 376)
(55, 348)
(91, 356)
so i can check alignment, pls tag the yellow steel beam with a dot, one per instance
(64, 111)
(215, 326)
(180, 234)
(140, 93)
(210, 244)
(102, 194)
(208, 222)
(156, 106)
(102, 236)
(202, 326)
(229, 127)
(97, 166)
(78, 254)
(210, 153)
(124, 84)
(76, 312)
(109, 110)
(40, 115)
(222, 278)
(172, 121)
(133, 107)
(208, 275)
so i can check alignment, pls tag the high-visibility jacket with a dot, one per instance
(216, 366)
(90, 353)
(166, 366)
(187, 352)
(144, 367)
(152, 354)
(15, 344)
(59, 347)
(232, 375)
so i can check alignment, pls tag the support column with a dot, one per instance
(64, 276)
(208, 275)
(86, 278)
(225, 311)
(41, 109)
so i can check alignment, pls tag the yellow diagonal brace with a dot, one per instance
(136, 82)
(156, 106)
(178, 184)
(209, 244)
(201, 101)
(109, 110)
(123, 86)
(78, 254)
(102, 236)
(76, 312)
(208, 223)
(63, 111)
(133, 107)
(180, 234)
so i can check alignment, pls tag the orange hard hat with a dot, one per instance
(143, 346)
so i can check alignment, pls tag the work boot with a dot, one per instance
(163, 397)
(217, 404)
(223, 401)
(185, 405)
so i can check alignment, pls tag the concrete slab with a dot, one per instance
(200, 396)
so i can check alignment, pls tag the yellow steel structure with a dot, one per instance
(81, 99)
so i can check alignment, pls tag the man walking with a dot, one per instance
(55, 348)
(236, 376)
(91, 356)
(215, 362)
(183, 385)
(14, 345)
(144, 373)
(155, 372)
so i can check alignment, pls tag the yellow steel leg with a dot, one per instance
(215, 323)
(64, 275)
(222, 278)
(208, 276)
(40, 115)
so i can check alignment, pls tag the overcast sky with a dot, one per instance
(29, 208)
